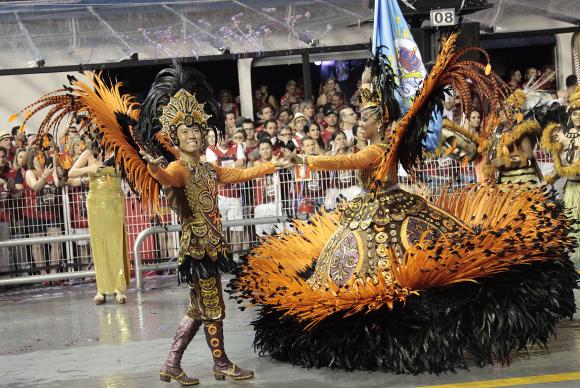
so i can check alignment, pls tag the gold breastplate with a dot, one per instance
(202, 232)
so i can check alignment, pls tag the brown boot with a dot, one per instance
(222, 366)
(172, 367)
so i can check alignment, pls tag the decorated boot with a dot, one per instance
(172, 367)
(223, 367)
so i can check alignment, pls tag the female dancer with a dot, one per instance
(393, 282)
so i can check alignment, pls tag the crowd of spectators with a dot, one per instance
(33, 174)
(32, 180)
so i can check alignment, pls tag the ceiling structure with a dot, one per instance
(57, 34)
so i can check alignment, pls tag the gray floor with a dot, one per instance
(59, 338)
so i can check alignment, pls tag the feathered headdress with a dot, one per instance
(380, 97)
(177, 95)
(517, 99)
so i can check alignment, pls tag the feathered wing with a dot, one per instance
(465, 77)
(111, 116)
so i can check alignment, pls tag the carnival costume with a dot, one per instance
(506, 161)
(106, 215)
(563, 142)
(177, 98)
(395, 283)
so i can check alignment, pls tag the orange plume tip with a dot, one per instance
(488, 69)
(27, 114)
(519, 117)
(13, 117)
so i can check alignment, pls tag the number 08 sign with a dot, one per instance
(443, 17)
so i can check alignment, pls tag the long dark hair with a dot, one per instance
(319, 140)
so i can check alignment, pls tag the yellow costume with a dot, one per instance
(106, 210)
(563, 142)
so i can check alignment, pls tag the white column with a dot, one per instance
(245, 83)
(564, 58)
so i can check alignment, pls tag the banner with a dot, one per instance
(391, 30)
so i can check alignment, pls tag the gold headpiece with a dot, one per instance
(374, 102)
(574, 99)
(183, 108)
(516, 99)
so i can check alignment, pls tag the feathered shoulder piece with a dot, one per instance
(466, 77)
(111, 116)
(546, 141)
(551, 143)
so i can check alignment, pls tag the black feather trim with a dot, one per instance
(434, 331)
(205, 268)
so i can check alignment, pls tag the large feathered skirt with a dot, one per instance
(500, 284)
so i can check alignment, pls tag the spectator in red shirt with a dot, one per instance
(338, 101)
(230, 124)
(267, 194)
(7, 142)
(331, 118)
(285, 117)
(226, 103)
(251, 140)
(348, 122)
(42, 213)
(291, 97)
(266, 113)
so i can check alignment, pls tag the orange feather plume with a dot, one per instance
(99, 104)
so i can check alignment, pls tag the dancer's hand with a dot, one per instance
(295, 159)
(154, 163)
(281, 163)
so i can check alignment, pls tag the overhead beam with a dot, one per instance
(168, 61)
(36, 54)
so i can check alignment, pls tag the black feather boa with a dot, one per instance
(434, 331)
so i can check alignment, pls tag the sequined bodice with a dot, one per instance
(201, 221)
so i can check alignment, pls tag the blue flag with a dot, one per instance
(391, 30)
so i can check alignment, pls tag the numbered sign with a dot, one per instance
(443, 17)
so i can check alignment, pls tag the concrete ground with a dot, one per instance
(58, 338)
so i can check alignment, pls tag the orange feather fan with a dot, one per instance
(100, 104)
(449, 71)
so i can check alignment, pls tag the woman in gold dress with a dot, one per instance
(397, 283)
(106, 216)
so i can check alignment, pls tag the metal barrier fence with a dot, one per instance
(50, 235)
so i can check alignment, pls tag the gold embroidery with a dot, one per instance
(202, 234)
(210, 299)
(212, 329)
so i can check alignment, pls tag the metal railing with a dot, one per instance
(260, 206)
(139, 269)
